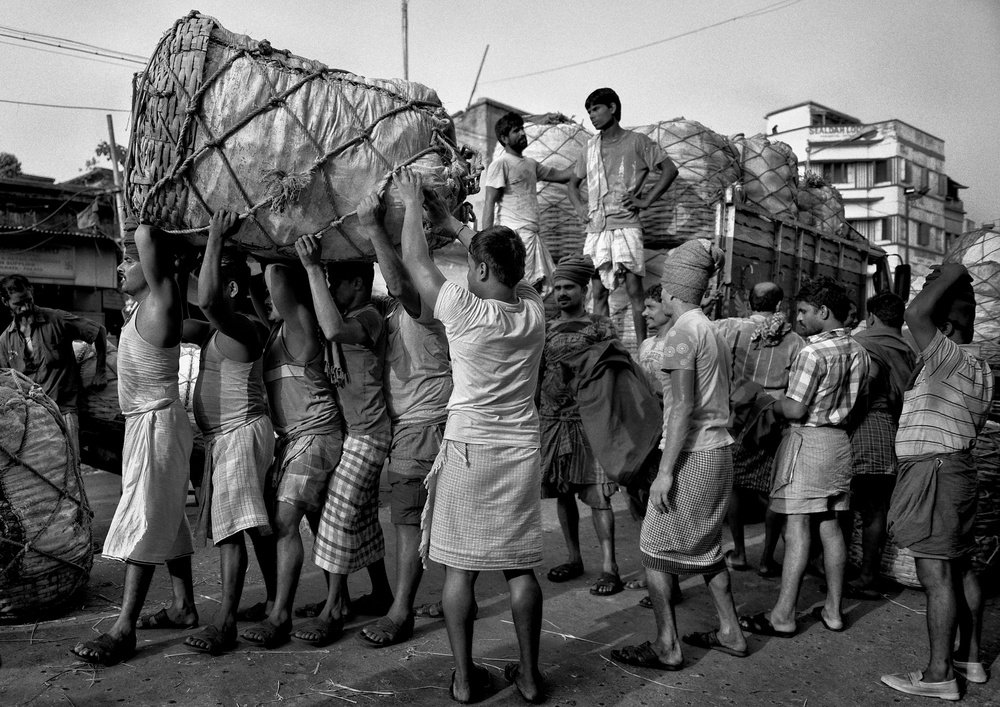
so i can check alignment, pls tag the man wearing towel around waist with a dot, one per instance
(682, 530)
(615, 165)
(149, 527)
(933, 506)
(812, 468)
(483, 509)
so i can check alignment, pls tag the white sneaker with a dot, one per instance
(973, 672)
(912, 684)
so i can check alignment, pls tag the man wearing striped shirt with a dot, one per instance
(813, 469)
(933, 506)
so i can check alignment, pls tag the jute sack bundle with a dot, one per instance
(769, 172)
(979, 251)
(821, 205)
(706, 164)
(220, 120)
(46, 551)
(555, 141)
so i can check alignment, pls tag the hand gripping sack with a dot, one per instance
(221, 121)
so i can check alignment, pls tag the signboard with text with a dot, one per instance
(44, 264)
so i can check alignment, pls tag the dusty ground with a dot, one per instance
(815, 668)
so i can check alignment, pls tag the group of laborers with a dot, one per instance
(442, 380)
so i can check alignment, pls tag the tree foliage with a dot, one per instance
(103, 152)
(10, 166)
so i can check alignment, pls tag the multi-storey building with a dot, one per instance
(891, 175)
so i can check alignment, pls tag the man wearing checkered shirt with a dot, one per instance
(813, 469)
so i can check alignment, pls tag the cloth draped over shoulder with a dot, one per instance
(753, 422)
(896, 361)
(597, 184)
(620, 412)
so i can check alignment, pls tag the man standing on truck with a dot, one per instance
(615, 165)
(39, 344)
(511, 181)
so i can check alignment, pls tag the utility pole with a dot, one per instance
(119, 193)
(406, 42)
(478, 73)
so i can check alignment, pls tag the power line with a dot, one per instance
(101, 53)
(57, 105)
(767, 9)
(58, 53)
(72, 41)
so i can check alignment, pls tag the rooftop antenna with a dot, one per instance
(406, 42)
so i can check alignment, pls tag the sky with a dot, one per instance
(934, 64)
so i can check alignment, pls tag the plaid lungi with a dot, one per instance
(873, 444)
(616, 252)
(350, 537)
(483, 511)
(231, 497)
(813, 465)
(687, 539)
(301, 470)
(752, 470)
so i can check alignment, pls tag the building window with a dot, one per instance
(882, 172)
(907, 172)
(885, 233)
(836, 172)
(923, 234)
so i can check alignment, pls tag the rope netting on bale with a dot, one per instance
(706, 164)
(769, 171)
(555, 141)
(821, 205)
(46, 549)
(220, 120)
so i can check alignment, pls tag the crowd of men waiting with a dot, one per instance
(479, 407)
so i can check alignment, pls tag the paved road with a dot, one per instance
(815, 668)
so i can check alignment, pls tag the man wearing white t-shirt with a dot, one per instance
(483, 509)
(511, 187)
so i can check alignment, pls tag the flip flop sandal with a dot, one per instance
(217, 643)
(769, 571)
(325, 631)
(510, 673)
(642, 656)
(107, 650)
(255, 613)
(761, 625)
(608, 584)
(709, 640)
(817, 613)
(646, 602)
(161, 620)
(268, 635)
(479, 685)
(390, 633)
(310, 611)
(565, 572)
(733, 565)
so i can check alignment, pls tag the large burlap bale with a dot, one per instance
(555, 141)
(220, 120)
(979, 251)
(769, 172)
(706, 164)
(47, 552)
(821, 205)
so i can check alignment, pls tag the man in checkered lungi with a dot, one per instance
(873, 435)
(308, 424)
(483, 511)
(230, 406)
(682, 530)
(763, 347)
(812, 479)
(349, 537)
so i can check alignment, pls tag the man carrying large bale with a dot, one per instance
(150, 527)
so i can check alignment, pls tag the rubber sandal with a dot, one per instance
(646, 602)
(368, 605)
(310, 611)
(217, 644)
(161, 620)
(325, 631)
(709, 640)
(565, 572)
(642, 656)
(761, 625)
(268, 635)
(479, 685)
(817, 613)
(255, 613)
(108, 650)
(391, 632)
(769, 571)
(608, 584)
(636, 584)
(510, 673)
(733, 565)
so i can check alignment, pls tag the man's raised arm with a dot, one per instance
(396, 278)
(416, 256)
(159, 318)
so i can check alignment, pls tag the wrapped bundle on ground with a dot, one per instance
(46, 549)
(769, 173)
(555, 141)
(220, 120)
(821, 205)
(706, 164)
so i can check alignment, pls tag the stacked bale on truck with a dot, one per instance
(821, 205)
(222, 121)
(706, 164)
(768, 173)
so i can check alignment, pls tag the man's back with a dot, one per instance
(762, 350)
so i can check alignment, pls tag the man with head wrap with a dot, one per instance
(682, 530)
(933, 506)
(569, 468)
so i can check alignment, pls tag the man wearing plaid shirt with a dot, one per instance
(812, 477)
